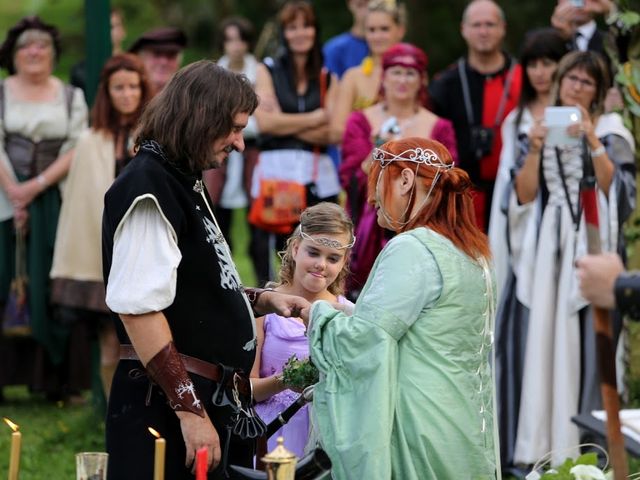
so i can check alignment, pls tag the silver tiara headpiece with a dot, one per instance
(416, 155)
(327, 242)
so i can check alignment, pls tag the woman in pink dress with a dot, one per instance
(315, 265)
(400, 114)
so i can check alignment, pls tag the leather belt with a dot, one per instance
(205, 369)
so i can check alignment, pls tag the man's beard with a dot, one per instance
(215, 163)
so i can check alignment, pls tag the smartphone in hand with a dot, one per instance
(557, 120)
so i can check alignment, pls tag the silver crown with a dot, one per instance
(327, 242)
(416, 155)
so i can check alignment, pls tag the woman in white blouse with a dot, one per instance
(40, 120)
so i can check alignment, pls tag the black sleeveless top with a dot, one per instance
(209, 318)
(290, 102)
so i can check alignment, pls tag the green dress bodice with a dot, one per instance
(406, 390)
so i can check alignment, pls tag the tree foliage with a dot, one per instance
(434, 25)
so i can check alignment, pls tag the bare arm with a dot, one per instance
(322, 135)
(22, 194)
(263, 387)
(315, 136)
(149, 333)
(602, 164)
(271, 120)
(6, 180)
(603, 167)
(345, 97)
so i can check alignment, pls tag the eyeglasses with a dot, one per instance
(585, 83)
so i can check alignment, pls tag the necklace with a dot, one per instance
(395, 125)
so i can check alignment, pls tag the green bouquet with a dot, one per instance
(299, 374)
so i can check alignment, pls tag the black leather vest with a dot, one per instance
(209, 317)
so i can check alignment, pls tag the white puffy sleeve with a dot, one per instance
(145, 261)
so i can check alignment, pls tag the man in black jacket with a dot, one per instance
(476, 93)
(185, 322)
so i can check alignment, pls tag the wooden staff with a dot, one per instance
(602, 325)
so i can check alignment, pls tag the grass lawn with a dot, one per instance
(53, 433)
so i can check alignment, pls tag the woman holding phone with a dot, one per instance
(547, 234)
(541, 51)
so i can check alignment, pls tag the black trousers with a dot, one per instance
(130, 444)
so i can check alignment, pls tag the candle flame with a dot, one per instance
(154, 432)
(12, 425)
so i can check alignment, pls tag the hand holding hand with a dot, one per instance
(320, 117)
(597, 275)
(281, 303)
(199, 432)
(22, 194)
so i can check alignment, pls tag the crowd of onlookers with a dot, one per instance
(322, 111)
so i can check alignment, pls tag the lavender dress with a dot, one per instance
(284, 337)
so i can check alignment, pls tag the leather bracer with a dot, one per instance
(167, 370)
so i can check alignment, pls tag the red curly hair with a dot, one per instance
(449, 210)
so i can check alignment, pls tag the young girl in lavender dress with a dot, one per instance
(314, 266)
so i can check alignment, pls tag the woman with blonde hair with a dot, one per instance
(385, 25)
(406, 387)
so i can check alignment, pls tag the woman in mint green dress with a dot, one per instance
(406, 389)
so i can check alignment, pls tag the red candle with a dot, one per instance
(201, 464)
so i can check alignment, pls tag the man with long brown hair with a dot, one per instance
(184, 320)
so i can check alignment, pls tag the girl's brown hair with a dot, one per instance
(449, 209)
(103, 116)
(325, 218)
